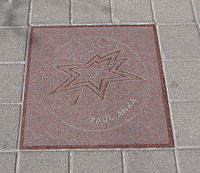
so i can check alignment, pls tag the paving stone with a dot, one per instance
(173, 11)
(186, 122)
(189, 160)
(13, 42)
(197, 8)
(150, 161)
(76, 96)
(132, 11)
(180, 42)
(15, 13)
(50, 12)
(91, 11)
(9, 116)
(11, 77)
(7, 162)
(43, 162)
(183, 80)
(97, 162)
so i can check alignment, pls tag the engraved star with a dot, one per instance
(96, 74)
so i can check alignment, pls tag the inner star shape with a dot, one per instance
(96, 74)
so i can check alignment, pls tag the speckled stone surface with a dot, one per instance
(7, 162)
(43, 162)
(9, 116)
(13, 41)
(11, 79)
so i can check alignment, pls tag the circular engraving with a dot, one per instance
(94, 84)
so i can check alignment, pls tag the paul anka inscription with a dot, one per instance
(106, 118)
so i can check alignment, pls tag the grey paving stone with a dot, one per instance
(98, 162)
(13, 42)
(150, 162)
(50, 12)
(15, 13)
(43, 162)
(11, 77)
(189, 161)
(132, 11)
(183, 80)
(180, 42)
(9, 126)
(197, 7)
(173, 11)
(7, 162)
(187, 123)
(91, 11)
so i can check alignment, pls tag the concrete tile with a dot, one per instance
(150, 161)
(180, 42)
(11, 77)
(173, 11)
(50, 12)
(183, 80)
(91, 11)
(132, 11)
(189, 161)
(97, 162)
(186, 123)
(197, 8)
(7, 162)
(9, 116)
(15, 13)
(13, 42)
(43, 162)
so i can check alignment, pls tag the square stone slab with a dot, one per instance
(95, 87)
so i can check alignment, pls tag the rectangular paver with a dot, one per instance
(132, 11)
(183, 80)
(98, 162)
(180, 42)
(173, 11)
(11, 79)
(189, 161)
(9, 116)
(186, 123)
(7, 162)
(13, 42)
(43, 162)
(91, 11)
(88, 83)
(150, 162)
(15, 13)
(50, 12)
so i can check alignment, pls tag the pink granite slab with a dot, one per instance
(94, 87)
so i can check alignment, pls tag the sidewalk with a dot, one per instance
(178, 26)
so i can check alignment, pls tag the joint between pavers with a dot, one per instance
(184, 100)
(114, 23)
(30, 12)
(176, 161)
(70, 162)
(153, 11)
(10, 104)
(14, 27)
(71, 11)
(124, 168)
(12, 62)
(181, 60)
(111, 11)
(188, 148)
(196, 18)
